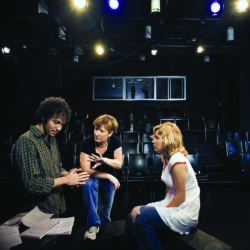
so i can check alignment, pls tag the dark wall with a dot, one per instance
(212, 87)
(244, 94)
(8, 97)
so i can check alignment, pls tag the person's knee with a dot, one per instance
(135, 212)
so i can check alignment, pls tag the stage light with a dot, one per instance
(61, 32)
(215, 7)
(242, 5)
(80, 3)
(155, 6)
(113, 4)
(200, 49)
(148, 32)
(99, 49)
(61, 29)
(154, 51)
(230, 34)
(43, 7)
(5, 50)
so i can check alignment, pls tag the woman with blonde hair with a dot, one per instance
(179, 210)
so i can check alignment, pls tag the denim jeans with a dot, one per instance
(143, 230)
(98, 196)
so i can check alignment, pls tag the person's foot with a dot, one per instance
(90, 234)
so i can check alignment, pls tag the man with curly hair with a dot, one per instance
(36, 159)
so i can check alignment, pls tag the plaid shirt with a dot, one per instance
(38, 162)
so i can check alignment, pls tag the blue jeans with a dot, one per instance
(143, 230)
(98, 196)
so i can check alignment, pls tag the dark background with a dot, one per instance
(40, 64)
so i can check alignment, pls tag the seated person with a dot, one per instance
(179, 210)
(101, 155)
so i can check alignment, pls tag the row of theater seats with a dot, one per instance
(234, 150)
(141, 165)
(147, 169)
(233, 144)
(222, 137)
(238, 154)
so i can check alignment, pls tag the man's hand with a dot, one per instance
(74, 178)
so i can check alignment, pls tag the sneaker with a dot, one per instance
(90, 234)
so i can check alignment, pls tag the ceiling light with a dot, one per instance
(155, 6)
(200, 49)
(113, 4)
(242, 5)
(230, 34)
(5, 50)
(215, 7)
(99, 49)
(154, 51)
(80, 3)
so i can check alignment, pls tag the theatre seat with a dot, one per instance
(138, 172)
(200, 174)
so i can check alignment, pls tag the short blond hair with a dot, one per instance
(109, 121)
(172, 138)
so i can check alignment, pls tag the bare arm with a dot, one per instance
(85, 161)
(179, 172)
(114, 163)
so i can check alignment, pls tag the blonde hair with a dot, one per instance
(109, 121)
(172, 139)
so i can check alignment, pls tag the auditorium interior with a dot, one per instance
(51, 53)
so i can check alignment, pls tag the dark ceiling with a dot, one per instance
(181, 25)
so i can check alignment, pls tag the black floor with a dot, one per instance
(224, 214)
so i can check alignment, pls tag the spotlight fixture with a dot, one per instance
(61, 30)
(148, 32)
(215, 7)
(155, 6)
(113, 4)
(99, 49)
(154, 51)
(242, 5)
(200, 49)
(81, 4)
(230, 34)
(43, 7)
(5, 50)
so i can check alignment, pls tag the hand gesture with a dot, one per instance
(75, 179)
(97, 159)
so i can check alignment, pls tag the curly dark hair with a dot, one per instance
(50, 107)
